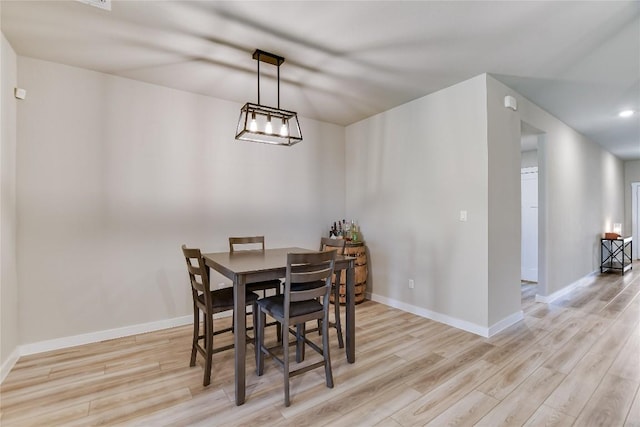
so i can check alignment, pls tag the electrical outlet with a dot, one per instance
(463, 216)
(411, 284)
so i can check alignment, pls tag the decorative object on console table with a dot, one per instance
(358, 250)
(617, 228)
(616, 233)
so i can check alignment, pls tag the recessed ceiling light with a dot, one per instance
(626, 113)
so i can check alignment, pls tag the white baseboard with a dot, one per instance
(9, 364)
(59, 343)
(448, 320)
(562, 292)
(503, 324)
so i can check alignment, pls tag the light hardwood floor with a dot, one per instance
(573, 362)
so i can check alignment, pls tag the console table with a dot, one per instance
(615, 254)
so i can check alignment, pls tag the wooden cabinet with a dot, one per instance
(358, 250)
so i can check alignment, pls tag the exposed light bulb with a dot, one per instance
(284, 129)
(268, 128)
(626, 113)
(253, 126)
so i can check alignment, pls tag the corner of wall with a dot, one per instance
(8, 274)
(504, 226)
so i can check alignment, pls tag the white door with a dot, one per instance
(529, 254)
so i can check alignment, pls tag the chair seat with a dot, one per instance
(223, 298)
(275, 305)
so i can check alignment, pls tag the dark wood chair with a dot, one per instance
(255, 242)
(208, 302)
(312, 273)
(337, 245)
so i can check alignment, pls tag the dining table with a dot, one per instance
(251, 266)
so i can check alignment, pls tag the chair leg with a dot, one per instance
(256, 343)
(325, 350)
(278, 325)
(196, 333)
(336, 299)
(333, 287)
(285, 359)
(300, 333)
(259, 337)
(208, 334)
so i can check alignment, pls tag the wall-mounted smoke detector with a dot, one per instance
(102, 4)
(510, 102)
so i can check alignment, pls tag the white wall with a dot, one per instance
(505, 223)
(581, 195)
(631, 174)
(8, 275)
(114, 175)
(411, 170)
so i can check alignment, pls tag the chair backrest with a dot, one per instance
(313, 268)
(197, 273)
(337, 245)
(254, 241)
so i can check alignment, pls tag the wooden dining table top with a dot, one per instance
(259, 261)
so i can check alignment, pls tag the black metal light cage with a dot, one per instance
(262, 114)
(264, 124)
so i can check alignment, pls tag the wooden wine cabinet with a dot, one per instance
(358, 250)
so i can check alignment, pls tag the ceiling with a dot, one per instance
(348, 60)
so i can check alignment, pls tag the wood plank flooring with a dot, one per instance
(574, 362)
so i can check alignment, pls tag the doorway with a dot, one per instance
(530, 139)
(529, 230)
(635, 218)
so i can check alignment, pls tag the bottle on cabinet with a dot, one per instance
(354, 231)
(343, 229)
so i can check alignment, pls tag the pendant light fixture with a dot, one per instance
(269, 125)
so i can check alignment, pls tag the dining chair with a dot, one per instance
(327, 244)
(209, 303)
(337, 245)
(312, 272)
(256, 242)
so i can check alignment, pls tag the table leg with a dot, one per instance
(350, 328)
(239, 335)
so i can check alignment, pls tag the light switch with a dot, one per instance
(463, 215)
